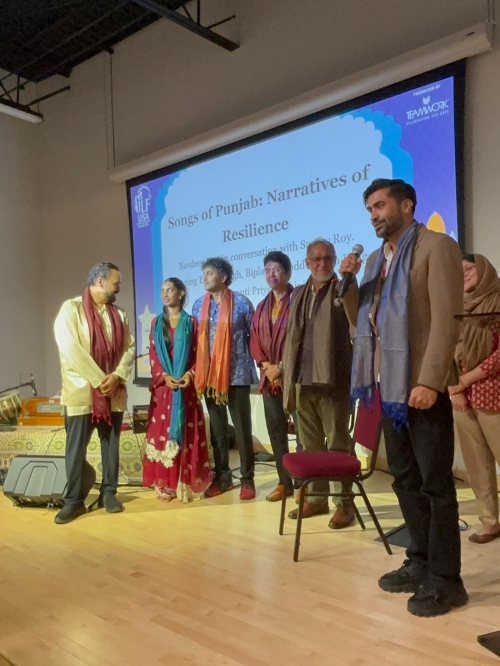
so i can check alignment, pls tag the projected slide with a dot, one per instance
(283, 192)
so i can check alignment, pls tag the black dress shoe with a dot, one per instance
(69, 512)
(437, 599)
(111, 503)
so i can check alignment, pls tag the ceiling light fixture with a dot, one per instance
(18, 111)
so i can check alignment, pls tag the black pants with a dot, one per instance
(421, 460)
(277, 428)
(79, 430)
(241, 415)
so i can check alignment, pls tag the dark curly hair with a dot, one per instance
(222, 266)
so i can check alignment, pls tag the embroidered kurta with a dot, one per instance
(78, 368)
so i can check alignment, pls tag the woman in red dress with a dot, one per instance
(176, 460)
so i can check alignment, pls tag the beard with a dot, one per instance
(110, 298)
(323, 278)
(392, 225)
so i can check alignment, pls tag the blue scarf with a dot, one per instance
(392, 325)
(183, 336)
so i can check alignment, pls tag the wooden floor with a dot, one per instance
(4, 662)
(213, 584)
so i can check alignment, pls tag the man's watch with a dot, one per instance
(280, 366)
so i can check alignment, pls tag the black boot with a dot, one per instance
(69, 512)
(437, 598)
(407, 578)
(110, 502)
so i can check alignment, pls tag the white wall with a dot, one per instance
(482, 150)
(177, 85)
(169, 85)
(22, 331)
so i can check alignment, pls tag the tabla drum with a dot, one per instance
(11, 405)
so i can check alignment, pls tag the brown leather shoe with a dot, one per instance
(277, 494)
(302, 489)
(310, 509)
(343, 517)
(484, 538)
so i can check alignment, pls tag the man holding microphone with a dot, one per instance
(405, 339)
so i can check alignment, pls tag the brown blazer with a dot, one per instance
(436, 295)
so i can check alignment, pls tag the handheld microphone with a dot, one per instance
(357, 251)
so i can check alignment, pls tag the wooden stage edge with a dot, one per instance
(213, 584)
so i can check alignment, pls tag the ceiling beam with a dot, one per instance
(23, 10)
(105, 40)
(193, 26)
(105, 13)
(48, 96)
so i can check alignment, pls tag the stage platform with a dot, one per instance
(213, 584)
(52, 441)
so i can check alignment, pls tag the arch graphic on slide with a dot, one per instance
(156, 239)
(401, 160)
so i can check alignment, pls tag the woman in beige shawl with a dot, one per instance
(476, 399)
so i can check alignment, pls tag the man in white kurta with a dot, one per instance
(86, 381)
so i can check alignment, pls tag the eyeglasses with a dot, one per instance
(317, 260)
(274, 271)
(468, 269)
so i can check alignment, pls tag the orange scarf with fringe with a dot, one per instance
(212, 371)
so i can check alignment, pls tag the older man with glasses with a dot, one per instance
(317, 367)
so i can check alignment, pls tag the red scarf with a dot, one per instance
(267, 340)
(107, 355)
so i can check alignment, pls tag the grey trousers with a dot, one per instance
(323, 426)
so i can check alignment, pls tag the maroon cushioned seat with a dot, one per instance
(308, 464)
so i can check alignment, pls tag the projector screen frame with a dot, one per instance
(456, 69)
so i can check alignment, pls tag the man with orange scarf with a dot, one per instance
(97, 353)
(267, 342)
(224, 372)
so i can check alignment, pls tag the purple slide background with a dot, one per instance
(430, 140)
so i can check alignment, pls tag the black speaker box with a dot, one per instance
(140, 418)
(41, 480)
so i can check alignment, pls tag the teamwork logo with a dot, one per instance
(432, 106)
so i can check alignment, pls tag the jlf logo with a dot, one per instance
(142, 201)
